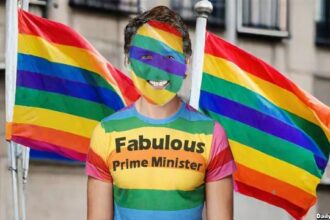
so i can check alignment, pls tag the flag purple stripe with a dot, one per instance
(260, 121)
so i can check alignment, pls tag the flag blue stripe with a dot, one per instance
(69, 88)
(40, 65)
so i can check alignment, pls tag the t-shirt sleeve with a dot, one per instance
(96, 162)
(221, 162)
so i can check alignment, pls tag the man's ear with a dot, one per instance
(126, 60)
(187, 60)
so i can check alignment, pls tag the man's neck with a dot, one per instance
(156, 111)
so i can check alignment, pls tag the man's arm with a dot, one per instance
(99, 200)
(219, 199)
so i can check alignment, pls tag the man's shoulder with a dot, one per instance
(197, 121)
(123, 113)
(117, 117)
(193, 114)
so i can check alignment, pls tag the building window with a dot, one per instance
(121, 6)
(186, 9)
(263, 17)
(39, 7)
(323, 22)
(321, 90)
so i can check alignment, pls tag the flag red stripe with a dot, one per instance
(51, 31)
(294, 210)
(247, 62)
(45, 146)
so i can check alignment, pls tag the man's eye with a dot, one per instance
(170, 57)
(146, 57)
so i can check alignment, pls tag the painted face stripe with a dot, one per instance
(167, 38)
(169, 65)
(142, 71)
(157, 46)
(165, 27)
(148, 90)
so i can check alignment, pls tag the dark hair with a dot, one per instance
(162, 14)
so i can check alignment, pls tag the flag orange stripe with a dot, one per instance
(63, 139)
(274, 186)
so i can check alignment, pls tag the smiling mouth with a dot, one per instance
(159, 84)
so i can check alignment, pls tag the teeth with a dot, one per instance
(158, 83)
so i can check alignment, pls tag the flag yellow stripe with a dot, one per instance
(173, 41)
(284, 99)
(274, 167)
(162, 178)
(53, 119)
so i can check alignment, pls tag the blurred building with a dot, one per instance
(291, 35)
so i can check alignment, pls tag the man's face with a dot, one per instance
(157, 62)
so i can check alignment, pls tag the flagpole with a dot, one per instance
(202, 8)
(25, 156)
(231, 21)
(11, 67)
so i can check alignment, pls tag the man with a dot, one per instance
(159, 158)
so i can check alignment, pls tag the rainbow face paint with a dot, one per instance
(157, 62)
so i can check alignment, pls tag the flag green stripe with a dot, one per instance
(199, 127)
(268, 144)
(61, 103)
(249, 98)
(144, 199)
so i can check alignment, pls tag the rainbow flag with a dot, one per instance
(278, 133)
(64, 88)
